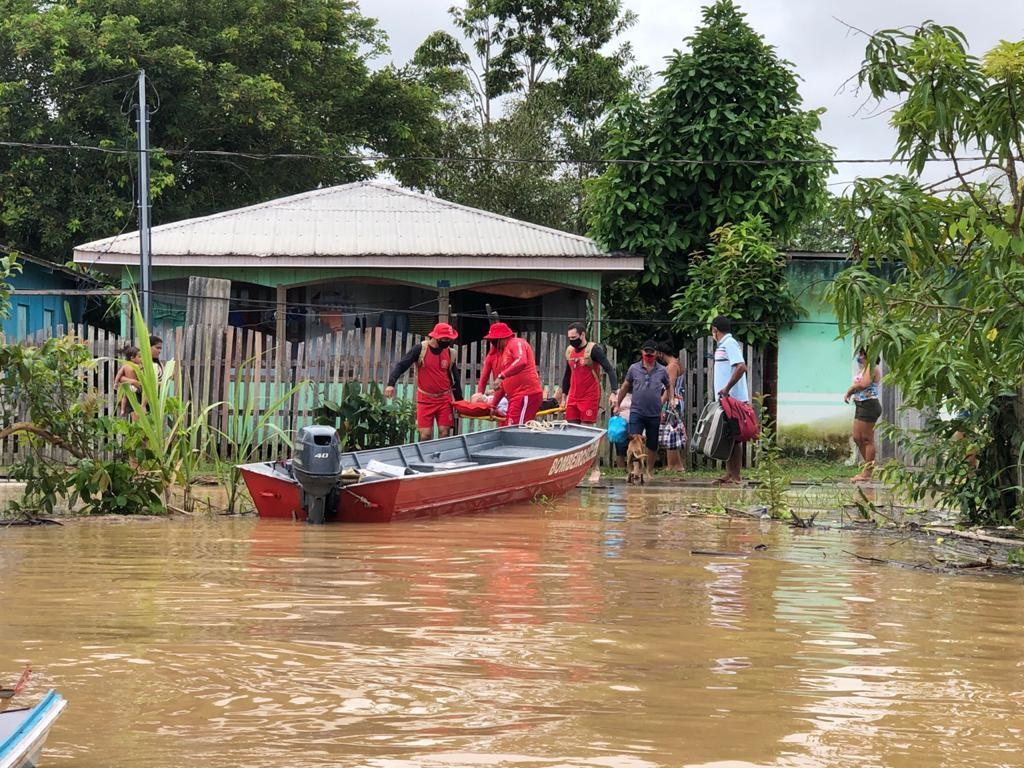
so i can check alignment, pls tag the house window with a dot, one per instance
(48, 324)
(22, 328)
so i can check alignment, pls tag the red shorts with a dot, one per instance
(429, 411)
(523, 408)
(584, 412)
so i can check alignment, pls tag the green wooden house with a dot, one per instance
(369, 254)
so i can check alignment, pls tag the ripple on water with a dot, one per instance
(557, 635)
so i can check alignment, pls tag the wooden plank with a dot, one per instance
(208, 301)
(260, 360)
(230, 335)
(217, 365)
(364, 372)
(337, 342)
(318, 378)
(188, 373)
(296, 371)
(245, 374)
(375, 352)
(203, 366)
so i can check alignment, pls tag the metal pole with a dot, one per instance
(145, 254)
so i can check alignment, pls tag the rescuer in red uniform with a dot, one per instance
(438, 383)
(516, 374)
(582, 379)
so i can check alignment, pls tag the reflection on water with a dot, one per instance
(583, 633)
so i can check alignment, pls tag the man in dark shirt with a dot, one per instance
(648, 382)
(581, 381)
(438, 383)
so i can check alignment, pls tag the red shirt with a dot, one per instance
(584, 385)
(433, 379)
(518, 370)
(490, 362)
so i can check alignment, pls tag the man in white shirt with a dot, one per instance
(731, 380)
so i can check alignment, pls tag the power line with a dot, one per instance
(351, 309)
(74, 88)
(373, 158)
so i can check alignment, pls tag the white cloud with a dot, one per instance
(824, 51)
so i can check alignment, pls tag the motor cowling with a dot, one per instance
(316, 465)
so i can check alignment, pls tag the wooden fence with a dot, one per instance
(234, 366)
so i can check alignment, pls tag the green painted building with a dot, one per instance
(369, 255)
(815, 366)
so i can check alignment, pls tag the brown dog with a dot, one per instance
(636, 460)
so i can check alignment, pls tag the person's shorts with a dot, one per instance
(522, 408)
(868, 411)
(583, 412)
(430, 411)
(649, 426)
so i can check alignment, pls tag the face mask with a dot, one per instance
(576, 343)
(648, 357)
(860, 359)
(444, 343)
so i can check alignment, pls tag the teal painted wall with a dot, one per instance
(815, 367)
(31, 314)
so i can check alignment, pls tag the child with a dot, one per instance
(128, 375)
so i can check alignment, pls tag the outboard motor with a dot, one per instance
(316, 464)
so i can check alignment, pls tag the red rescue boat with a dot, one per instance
(450, 476)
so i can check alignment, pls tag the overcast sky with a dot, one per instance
(808, 33)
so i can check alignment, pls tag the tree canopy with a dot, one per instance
(254, 76)
(529, 81)
(742, 277)
(938, 287)
(724, 137)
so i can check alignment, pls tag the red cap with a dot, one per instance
(443, 331)
(499, 331)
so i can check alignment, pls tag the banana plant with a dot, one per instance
(244, 432)
(168, 436)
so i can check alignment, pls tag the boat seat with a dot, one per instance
(439, 466)
(510, 452)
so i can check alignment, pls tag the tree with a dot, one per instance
(743, 277)
(724, 137)
(9, 267)
(497, 179)
(938, 287)
(250, 76)
(823, 232)
(531, 82)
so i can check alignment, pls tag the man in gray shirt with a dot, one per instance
(648, 382)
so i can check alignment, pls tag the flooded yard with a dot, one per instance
(607, 629)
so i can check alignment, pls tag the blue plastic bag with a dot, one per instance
(617, 427)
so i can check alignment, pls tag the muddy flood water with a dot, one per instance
(607, 629)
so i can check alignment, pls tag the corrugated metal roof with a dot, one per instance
(359, 223)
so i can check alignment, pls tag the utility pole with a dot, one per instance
(145, 254)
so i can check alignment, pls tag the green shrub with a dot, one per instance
(368, 420)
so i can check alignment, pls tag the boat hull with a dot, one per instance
(23, 732)
(453, 492)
